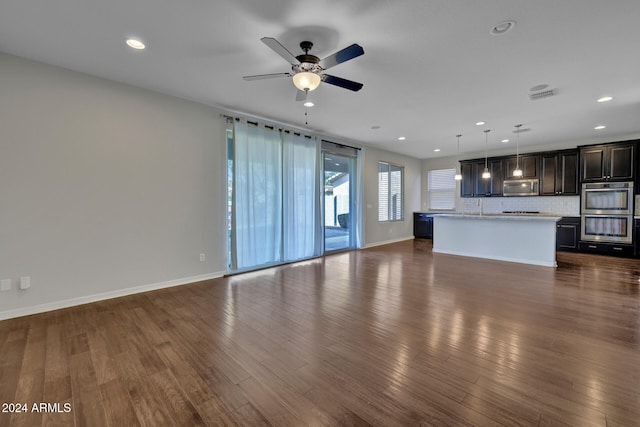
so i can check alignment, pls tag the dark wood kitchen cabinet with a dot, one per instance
(474, 185)
(568, 234)
(608, 162)
(559, 173)
(422, 225)
(616, 249)
(466, 185)
(528, 164)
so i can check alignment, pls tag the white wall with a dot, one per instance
(375, 232)
(103, 188)
(108, 189)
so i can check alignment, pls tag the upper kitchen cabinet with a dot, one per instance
(559, 173)
(473, 185)
(528, 164)
(608, 162)
(467, 183)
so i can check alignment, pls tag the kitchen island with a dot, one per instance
(528, 239)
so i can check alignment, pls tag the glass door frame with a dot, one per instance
(352, 159)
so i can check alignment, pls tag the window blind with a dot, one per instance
(442, 189)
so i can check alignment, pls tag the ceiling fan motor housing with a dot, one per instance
(308, 63)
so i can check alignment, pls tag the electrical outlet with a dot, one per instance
(203, 258)
(5, 285)
(25, 282)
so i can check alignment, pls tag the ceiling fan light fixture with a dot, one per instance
(306, 80)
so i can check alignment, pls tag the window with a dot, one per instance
(390, 192)
(442, 189)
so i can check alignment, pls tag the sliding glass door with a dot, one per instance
(338, 201)
(290, 196)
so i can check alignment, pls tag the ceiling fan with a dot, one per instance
(306, 68)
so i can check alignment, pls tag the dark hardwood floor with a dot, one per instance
(393, 335)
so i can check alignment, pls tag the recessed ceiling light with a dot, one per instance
(135, 44)
(480, 123)
(402, 138)
(436, 150)
(605, 99)
(599, 127)
(308, 104)
(504, 141)
(502, 27)
(337, 164)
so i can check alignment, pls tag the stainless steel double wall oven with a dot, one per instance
(607, 212)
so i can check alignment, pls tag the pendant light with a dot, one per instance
(517, 171)
(486, 174)
(458, 175)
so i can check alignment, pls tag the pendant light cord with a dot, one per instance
(486, 145)
(518, 145)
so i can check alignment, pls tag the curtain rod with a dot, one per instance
(231, 118)
(255, 123)
(342, 145)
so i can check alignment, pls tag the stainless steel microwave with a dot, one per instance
(520, 187)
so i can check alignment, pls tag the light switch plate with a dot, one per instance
(25, 282)
(5, 285)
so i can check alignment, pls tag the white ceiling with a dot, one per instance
(430, 69)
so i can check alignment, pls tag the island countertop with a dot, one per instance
(502, 216)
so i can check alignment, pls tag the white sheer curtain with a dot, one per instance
(276, 197)
(257, 196)
(301, 208)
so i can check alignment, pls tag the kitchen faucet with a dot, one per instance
(480, 206)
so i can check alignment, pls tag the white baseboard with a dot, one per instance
(56, 305)
(386, 242)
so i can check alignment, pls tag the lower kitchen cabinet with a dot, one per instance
(568, 234)
(422, 225)
(606, 248)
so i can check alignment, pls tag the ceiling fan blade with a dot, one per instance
(266, 76)
(301, 95)
(344, 55)
(344, 83)
(280, 50)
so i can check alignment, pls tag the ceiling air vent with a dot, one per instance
(544, 94)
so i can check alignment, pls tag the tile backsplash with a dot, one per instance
(556, 205)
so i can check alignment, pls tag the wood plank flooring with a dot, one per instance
(388, 336)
